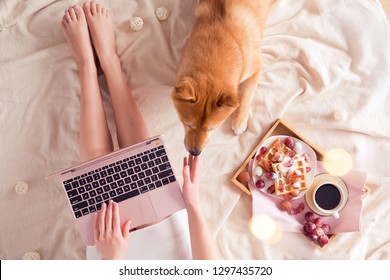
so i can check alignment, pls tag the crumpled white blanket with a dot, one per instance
(319, 56)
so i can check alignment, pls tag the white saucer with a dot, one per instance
(318, 180)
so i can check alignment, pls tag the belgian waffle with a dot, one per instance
(277, 150)
(284, 183)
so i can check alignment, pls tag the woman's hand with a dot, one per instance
(191, 181)
(110, 239)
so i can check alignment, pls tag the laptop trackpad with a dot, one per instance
(167, 200)
(137, 209)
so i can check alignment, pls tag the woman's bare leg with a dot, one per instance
(95, 139)
(130, 125)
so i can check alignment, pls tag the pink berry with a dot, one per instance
(301, 207)
(277, 157)
(292, 153)
(244, 177)
(289, 174)
(312, 237)
(288, 196)
(326, 228)
(267, 165)
(271, 189)
(318, 221)
(271, 175)
(289, 142)
(318, 231)
(309, 227)
(285, 205)
(323, 240)
(307, 157)
(289, 163)
(278, 144)
(260, 184)
(263, 150)
(298, 209)
(295, 193)
(310, 217)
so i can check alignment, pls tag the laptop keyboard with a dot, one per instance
(118, 181)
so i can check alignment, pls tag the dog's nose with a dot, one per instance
(195, 152)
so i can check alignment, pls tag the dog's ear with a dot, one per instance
(185, 90)
(228, 100)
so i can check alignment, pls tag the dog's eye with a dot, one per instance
(190, 126)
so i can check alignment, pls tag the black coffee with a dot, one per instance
(327, 196)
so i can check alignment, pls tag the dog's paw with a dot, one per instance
(239, 127)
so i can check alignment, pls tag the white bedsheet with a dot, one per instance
(319, 56)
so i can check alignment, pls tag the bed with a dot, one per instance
(319, 56)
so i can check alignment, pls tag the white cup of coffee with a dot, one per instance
(328, 196)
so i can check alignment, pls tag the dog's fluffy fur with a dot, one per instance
(220, 68)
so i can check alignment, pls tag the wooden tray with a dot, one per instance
(279, 128)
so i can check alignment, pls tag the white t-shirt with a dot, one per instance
(166, 240)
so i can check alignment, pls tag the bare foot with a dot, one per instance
(102, 32)
(76, 33)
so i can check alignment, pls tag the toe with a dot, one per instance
(78, 11)
(106, 13)
(93, 8)
(87, 8)
(67, 17)
(72, 14)
(98, 9)
(77, 8)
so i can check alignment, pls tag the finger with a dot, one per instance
(109, 217)
(126, 229)
(116, 217)
(96, 226)
(190, 158)
(186, 174)
(195, 168)
(101, 220)
(186, 169)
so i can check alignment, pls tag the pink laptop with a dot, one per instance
(139, 178)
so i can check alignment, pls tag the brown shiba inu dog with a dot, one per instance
(220, 68)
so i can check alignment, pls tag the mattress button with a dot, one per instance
(136, 23)
(162, 13)
(32, 255)
(21, 187)
(340, 115)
